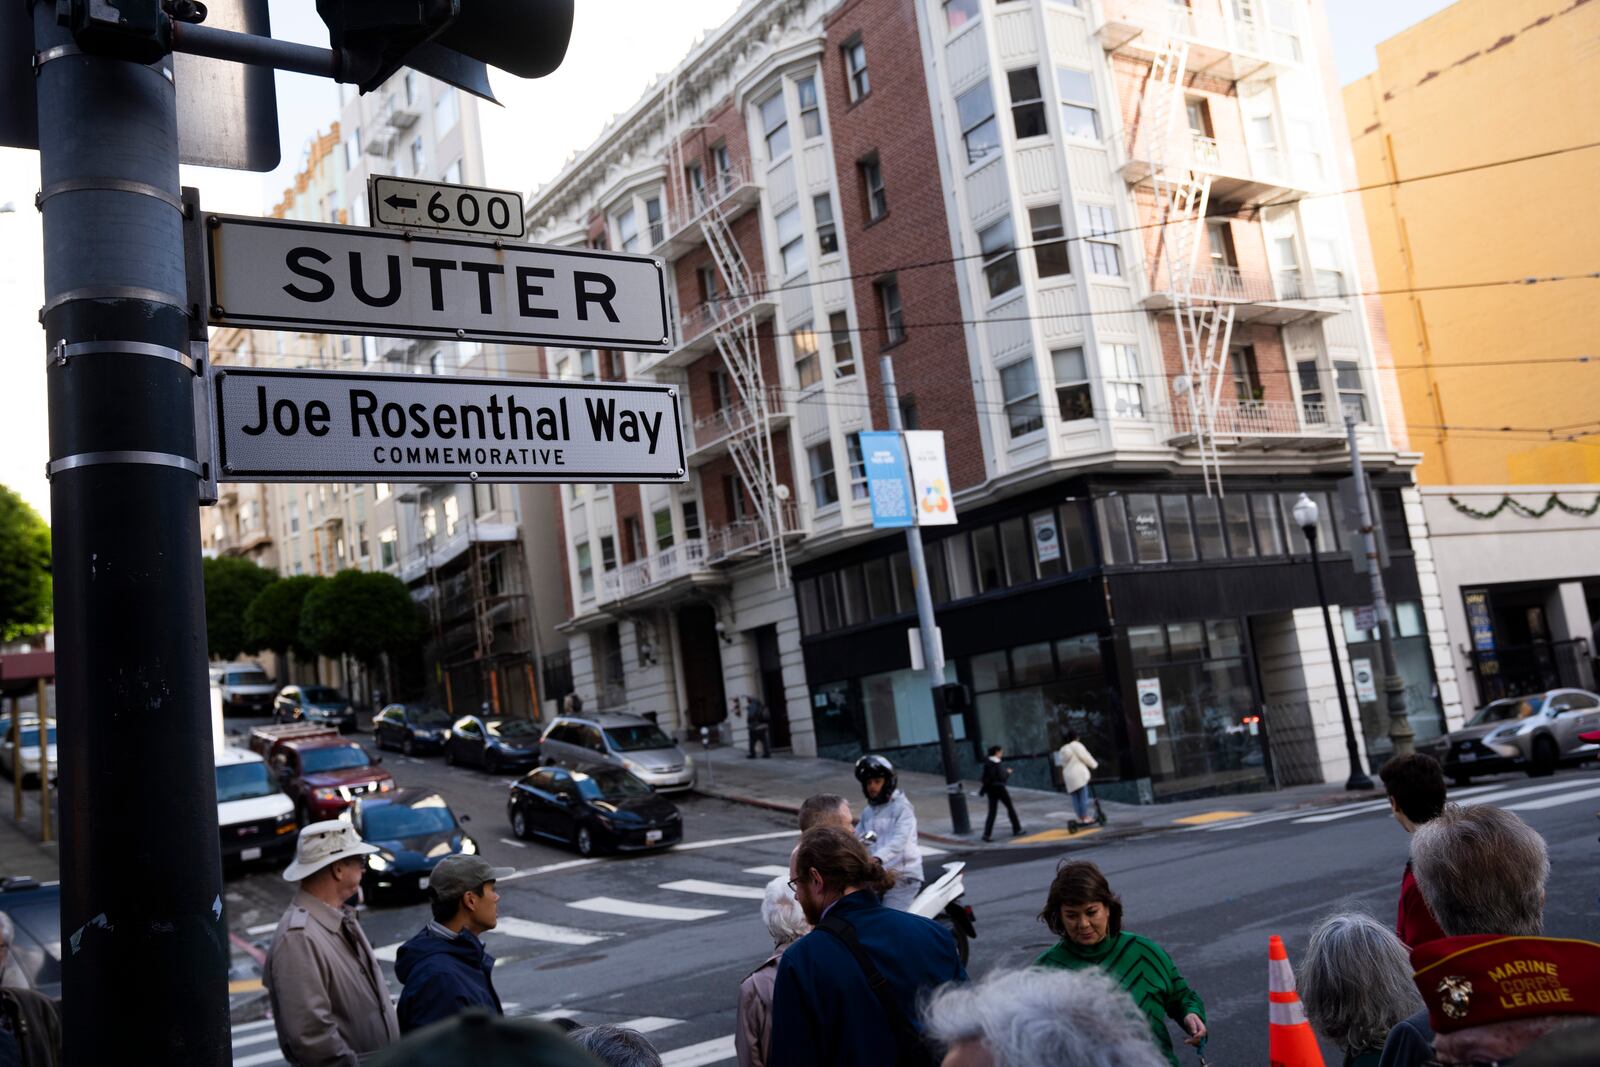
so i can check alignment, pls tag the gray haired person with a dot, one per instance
(1041, 1018)
(616, 1046)
(1355, 982)
(786, 923)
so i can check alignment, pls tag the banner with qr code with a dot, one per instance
(888, 479)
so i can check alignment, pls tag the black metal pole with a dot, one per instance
(1358, 776)
(144, 947)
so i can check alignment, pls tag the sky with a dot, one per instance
(617, 49)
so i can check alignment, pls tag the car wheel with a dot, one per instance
(519, 824)
(450, 754)
(1461, 780)
(1545, 757)
(408, 747)
(962, 947)
(491, 762)
(584, 842)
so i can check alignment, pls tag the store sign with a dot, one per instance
(1046, 538)
(1479, 623)
(888, 479)
(1366, 617)
(1152, 713)
(1366, 683)
(930, 478)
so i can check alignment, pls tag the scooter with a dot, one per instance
(940, 900)
(1073, 825)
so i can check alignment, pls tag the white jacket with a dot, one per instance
(896, 826)
(1076, 763)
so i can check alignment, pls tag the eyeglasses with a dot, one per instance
(794, 885)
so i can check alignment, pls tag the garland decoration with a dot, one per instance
(1524, 510)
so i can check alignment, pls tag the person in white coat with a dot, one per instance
(888, 825)
(1076, 765)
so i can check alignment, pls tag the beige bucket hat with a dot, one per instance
(322, 843)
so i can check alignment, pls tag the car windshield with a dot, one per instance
(333, 758)
(610, 784)
(428, 717)
(321, 694)
(240, 781)
(1507, 710)
(389, 821)
(634, 738)
(513, 729)
(248, 678)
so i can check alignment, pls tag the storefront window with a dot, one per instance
(1074, 536)
(1019, 557)
(880, 589)
(828, 592)
(853, 594)
(898, 709)
(986, 554)
(1208, 528)
(1236, 511)
(1180, 535)
(960, 555)
(1032, 663)
(831, 714)
(1113, 529)
(1265, 509)
(1027, 698)
(1414, 661)
(810, 606)
(1144, 526)
(938, 575)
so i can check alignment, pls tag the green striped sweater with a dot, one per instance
(1142, 968)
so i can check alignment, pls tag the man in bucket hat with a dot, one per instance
(330, 1002)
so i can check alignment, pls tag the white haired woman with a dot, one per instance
(752, 1038)
(1355, 982)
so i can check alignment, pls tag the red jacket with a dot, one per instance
(1416, 924)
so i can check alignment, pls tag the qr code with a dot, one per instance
(889, 497)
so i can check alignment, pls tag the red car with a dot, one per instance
(323, 773)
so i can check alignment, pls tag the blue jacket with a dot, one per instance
(823, 1011)
(442, 977)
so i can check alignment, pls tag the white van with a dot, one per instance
(255, 819)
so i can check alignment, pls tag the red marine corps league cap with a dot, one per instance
(1486, 978)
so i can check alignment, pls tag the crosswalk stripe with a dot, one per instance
(1555, 801)
(715, 889)
(264, 928)
(386, 953)
(649, 1024)
(548, 867)
(930, 850)
(1343, 811)
(255, 1039)
(558, 935)
(1346, 812)
(714, 1051)
(513, 842)
(245, 1028)
(692, 845)
(259, 1058)
(1547, 787)
(640, 910)
(771, 871)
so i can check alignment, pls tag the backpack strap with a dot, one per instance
(913, 1050)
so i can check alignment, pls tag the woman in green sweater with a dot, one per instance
(1087, 916)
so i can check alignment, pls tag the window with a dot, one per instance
(1078, 115)
(872, 188)
(652, 216)
(844, 352)
(694, 176)
(662, 518)
(294, 516)
(628, 230)
(1180, 534)
(999, 246)
(706, 280)
(483, 501)
(691, 520)
(824, 490)
(1208, 528)
(810, 109)
(987, 560)
(722, 166)
(1246, 377)
(1198, 111)
(1144, 527)
(1219, 235)
(1310, 392)
(791, 241)
(858, 467)
(452, 515)
(586, 367)
(855, 70)
(585, 569)
(608, 553)
(1127, 395)
(775, 121)
(827, 233)
(1074, 398)
(979, 132)
(419, 159)
(1027, 103)
(380, 492)
(446, 112)
(352, 149)
(1264, 507)
(1014, 540)
(1019, 390)
(386, 545)
(1049, 241)
(1104, 251)
(958, 13)
(1352, 398)
(807, 365)
(894, 323)
(452, 173)
(721, 390)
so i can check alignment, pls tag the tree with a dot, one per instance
(362, 614)
(272, 620)
(231, 584)
(25, 592)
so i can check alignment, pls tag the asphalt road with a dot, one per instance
(661, 941)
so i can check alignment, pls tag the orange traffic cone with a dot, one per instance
(1290, 1041)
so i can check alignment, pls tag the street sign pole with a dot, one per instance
(932, 651)
(144, 947)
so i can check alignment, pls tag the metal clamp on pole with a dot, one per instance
(106, 185)
(122, 456)
(57, 52)
(63, 352)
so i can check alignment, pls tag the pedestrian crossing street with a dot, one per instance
(1509, 795)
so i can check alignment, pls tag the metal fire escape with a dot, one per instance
(1203, 324)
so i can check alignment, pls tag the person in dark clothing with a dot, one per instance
(1415, 784)
(826, 1006)
(445, 968)
(760, 723)
(995, 774)
(30, 1029)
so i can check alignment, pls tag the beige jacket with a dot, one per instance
(752, 1038)
(329, 999)
(1076, 763)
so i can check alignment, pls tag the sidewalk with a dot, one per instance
(21, 852)
(783, 782)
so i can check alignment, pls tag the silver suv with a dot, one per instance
(626, 741)
(1536, 733)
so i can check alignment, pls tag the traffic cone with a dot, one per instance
(1290, 1042)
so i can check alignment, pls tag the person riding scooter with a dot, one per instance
(888, 826)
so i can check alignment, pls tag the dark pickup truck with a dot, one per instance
(322, 771)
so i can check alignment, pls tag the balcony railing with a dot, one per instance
(1261, 418)
(696, 202)
(1220, 282)
(720, 425)
(631, 579)
(746, 534)
(1206, 22)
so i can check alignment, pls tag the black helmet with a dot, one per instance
(876, 767)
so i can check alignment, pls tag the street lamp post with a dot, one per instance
(1305, 516)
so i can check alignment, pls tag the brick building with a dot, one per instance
(1097, 241)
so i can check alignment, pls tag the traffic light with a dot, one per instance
(452, 40)
(137, 30)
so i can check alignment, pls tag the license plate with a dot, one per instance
(1465, 756)
(652, 836)
(250, 854)
(422, 883)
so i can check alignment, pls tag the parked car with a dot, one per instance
(320, 704)
(411, 728)
(255, 819)
(324, 773)
(594, 807)
(29, 728)
(34, 961)
(1537, 733)
(493, 744)
(246, 690)
(635, 744)
(413, 829)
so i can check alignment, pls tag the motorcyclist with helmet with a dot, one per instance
(888, 826)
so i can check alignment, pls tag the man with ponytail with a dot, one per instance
(847, 994)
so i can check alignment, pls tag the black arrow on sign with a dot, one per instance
(395, 201)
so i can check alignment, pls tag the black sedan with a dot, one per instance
(494, 744)
(411, 728)
(594, 808)
(413, 829)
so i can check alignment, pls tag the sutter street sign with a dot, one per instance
(312, 426)
(284, 274)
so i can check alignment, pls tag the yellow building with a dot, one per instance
(1497, 399)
